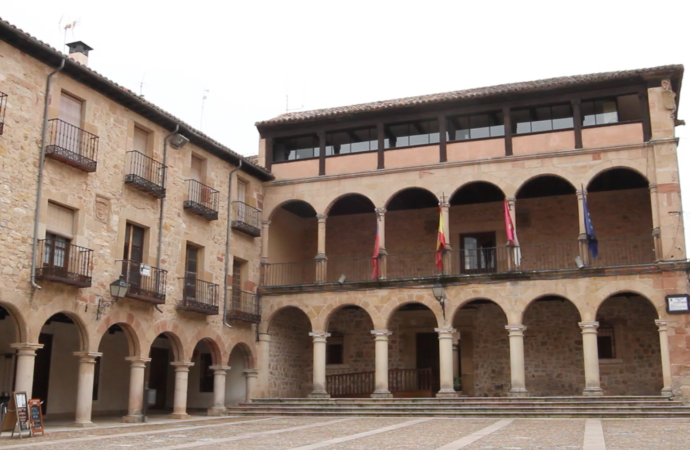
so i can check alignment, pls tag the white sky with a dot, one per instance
(250, 54)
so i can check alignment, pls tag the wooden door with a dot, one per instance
(134, 253)
(236, 285)
(158, 375)
(191, 262)
(242, 198)
(69, 133)
(427, 356)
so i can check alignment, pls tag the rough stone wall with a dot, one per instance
(290, 355)
(358, 353)
(402, 343)
(491, 352)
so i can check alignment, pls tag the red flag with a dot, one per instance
(511, 232)
(441, 240)
(375, 257)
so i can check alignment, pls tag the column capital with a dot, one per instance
(182, 366)
(589, 327)
(516, 330)
(322, 218)
(445, 333)
(220, 368)
(88, 357)
(511, 201)
(26, 347)
(580, 193)
(264, 337)
(321, 256)
(575, 101)
(319, 336)
(444, 204)
(653, 188)
(656, 231)
(265, 223)
(662, 324)
(251, 373)
(381, 211)
(138, 361)
(381, 334)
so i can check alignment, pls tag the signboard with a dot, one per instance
(36, 415)
(677, 304)
(17, 417)
(145, 270)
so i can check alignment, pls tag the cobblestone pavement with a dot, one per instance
(357, 433)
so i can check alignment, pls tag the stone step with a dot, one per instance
(470, 413)
(460, 404)
(474, 408)
(593, 399)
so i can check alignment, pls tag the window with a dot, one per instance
(236, 284)
(335, 348)
(411, 134)
(58, 236)
(606, 341)
(196, 169)
(141, 141)
(352, 141)
(190, 272)
(296, 148)
(242, 198)
(205, 372)
(481, 126)
(134, 253)
(625, 108)
(542, 118)
(70, 110)
(478, 252)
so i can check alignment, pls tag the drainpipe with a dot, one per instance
(37, 215)
(227, 247)
(165, 182)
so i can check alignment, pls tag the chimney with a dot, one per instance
(79, 52)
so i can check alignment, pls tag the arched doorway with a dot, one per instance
(165, 349)
(290, 354)
(628, 344)
(112, 371)
(236, 386)
(482, 355)
(554, 360)
(9, 334)
(201, 385)
(413, 352)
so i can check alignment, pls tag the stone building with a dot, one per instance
(254, 277)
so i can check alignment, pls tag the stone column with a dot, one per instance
(252, 376)
(582, 236)
(447, 254)
(319, 365)
(445, 354)
(136, 389)
(517, 361)
(665, 357)
(180, 395)
(321, 259)
(381, 377)
(263, 360)
(26, 356)
(512, 260)
(591, 353)
(264, 241)
(219, 373)
(656, 226)
(383, 254)
(87, 364)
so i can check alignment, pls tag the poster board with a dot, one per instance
(36, 415)
(17, 417)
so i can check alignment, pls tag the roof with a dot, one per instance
(475, 93)
(52, 57)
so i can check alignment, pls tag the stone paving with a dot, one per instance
(334, 433)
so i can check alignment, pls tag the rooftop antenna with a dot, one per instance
(141, 86)
(68, 26)
(203, 102)
(287, 98)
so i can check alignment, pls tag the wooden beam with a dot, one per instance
(577, 122)
(269, 152)
(442, 121)
(380, 129)
(322, 152)
(508, 128)
(644, 111)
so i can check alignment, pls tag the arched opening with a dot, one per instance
(554, 361)
(236, 383)
(112, 371)
(290, 354)
(56, 368)
(621, 210)
(201, 379)
(481, 351)
(350, 235)
(350, 353)
(411, 233)
(9, 334)
(478, 230)
(547, 223)
(161, 374)
(628, 343)
(292, 245)
(413, 352)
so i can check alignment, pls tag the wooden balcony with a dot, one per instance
(244, 306)
(64, 263)
(146, 283)
(202, 200)
(401, 383)
(145, 174)
(72, 145)
(199, 296)
(246, 219)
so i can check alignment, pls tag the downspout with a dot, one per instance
(165, 182)
(37, 214)
(227, 247)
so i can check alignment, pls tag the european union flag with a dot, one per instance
(592, 242)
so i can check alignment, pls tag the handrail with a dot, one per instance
(61, 261)
(72, 144)
(146, 168)
(146, 283)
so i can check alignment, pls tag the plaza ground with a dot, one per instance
(305, 433)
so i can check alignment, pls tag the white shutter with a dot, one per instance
(141, 140)
(196, 169)
(60, 220)
(70, 110)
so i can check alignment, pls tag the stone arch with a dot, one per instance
(629, 292)
(20, 327)
(82, 330)
(272, 212)
(274, 313)
(628, 286)
(546, 172)
(131, 326)
(173, 334)
(468, 183)
(635, 165)
(400, 191)
(452, 313)
(213, 344)
(324, 318)
(249, 360)
(332, 203)
(531, 302)
(384, 320)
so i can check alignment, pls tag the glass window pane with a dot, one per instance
(563, 124)
(521, 121)
(419, 139)
(587, 112)
(498, 130)
(462, 135)
(541, 125)
(606, 112)
(359, 147)
(479, 133)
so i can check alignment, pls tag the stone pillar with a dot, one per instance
(445, 354)
(321, 259)
(136, 389)
(591, 353)
(665, 357)
(252, 376)
(447, 254)
(219, 373)
(319, 365)
(517, 361)
(381, 377)
(512, 259)
(26, 356)
(656, 226)
(582, 236)
(263, 360)
(181, 384)
(383, 254)
(87, 364)
(264, 241)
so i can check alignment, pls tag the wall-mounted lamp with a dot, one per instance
(178, 141)
(440, 295)
(118, 289)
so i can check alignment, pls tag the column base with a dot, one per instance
(667, 392)
(83, 424)
(217, 411)
(446, 393)
(179, 416)
(319, 394)
(592, 391)
(133, 418)
(381, 394)
(518, 393)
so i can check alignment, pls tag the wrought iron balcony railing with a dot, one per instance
(288, 274)
(202, 200)
(3, 108)
(72, 145)
(145, 174)
(199, 296)
(246, 219)
(145, 282)
(244, 306)
(63, 262)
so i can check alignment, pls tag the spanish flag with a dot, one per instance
(441, 240)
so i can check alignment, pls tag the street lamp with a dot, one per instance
(440, 294)
(118, 289)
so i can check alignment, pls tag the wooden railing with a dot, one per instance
(360, 384)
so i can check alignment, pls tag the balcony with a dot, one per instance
(3, 108)
(64, 263)
(72, 145)
(146, 174)
(146, 283)
(202, 200)
(247, 219)
(244, 306)
(199, 296)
